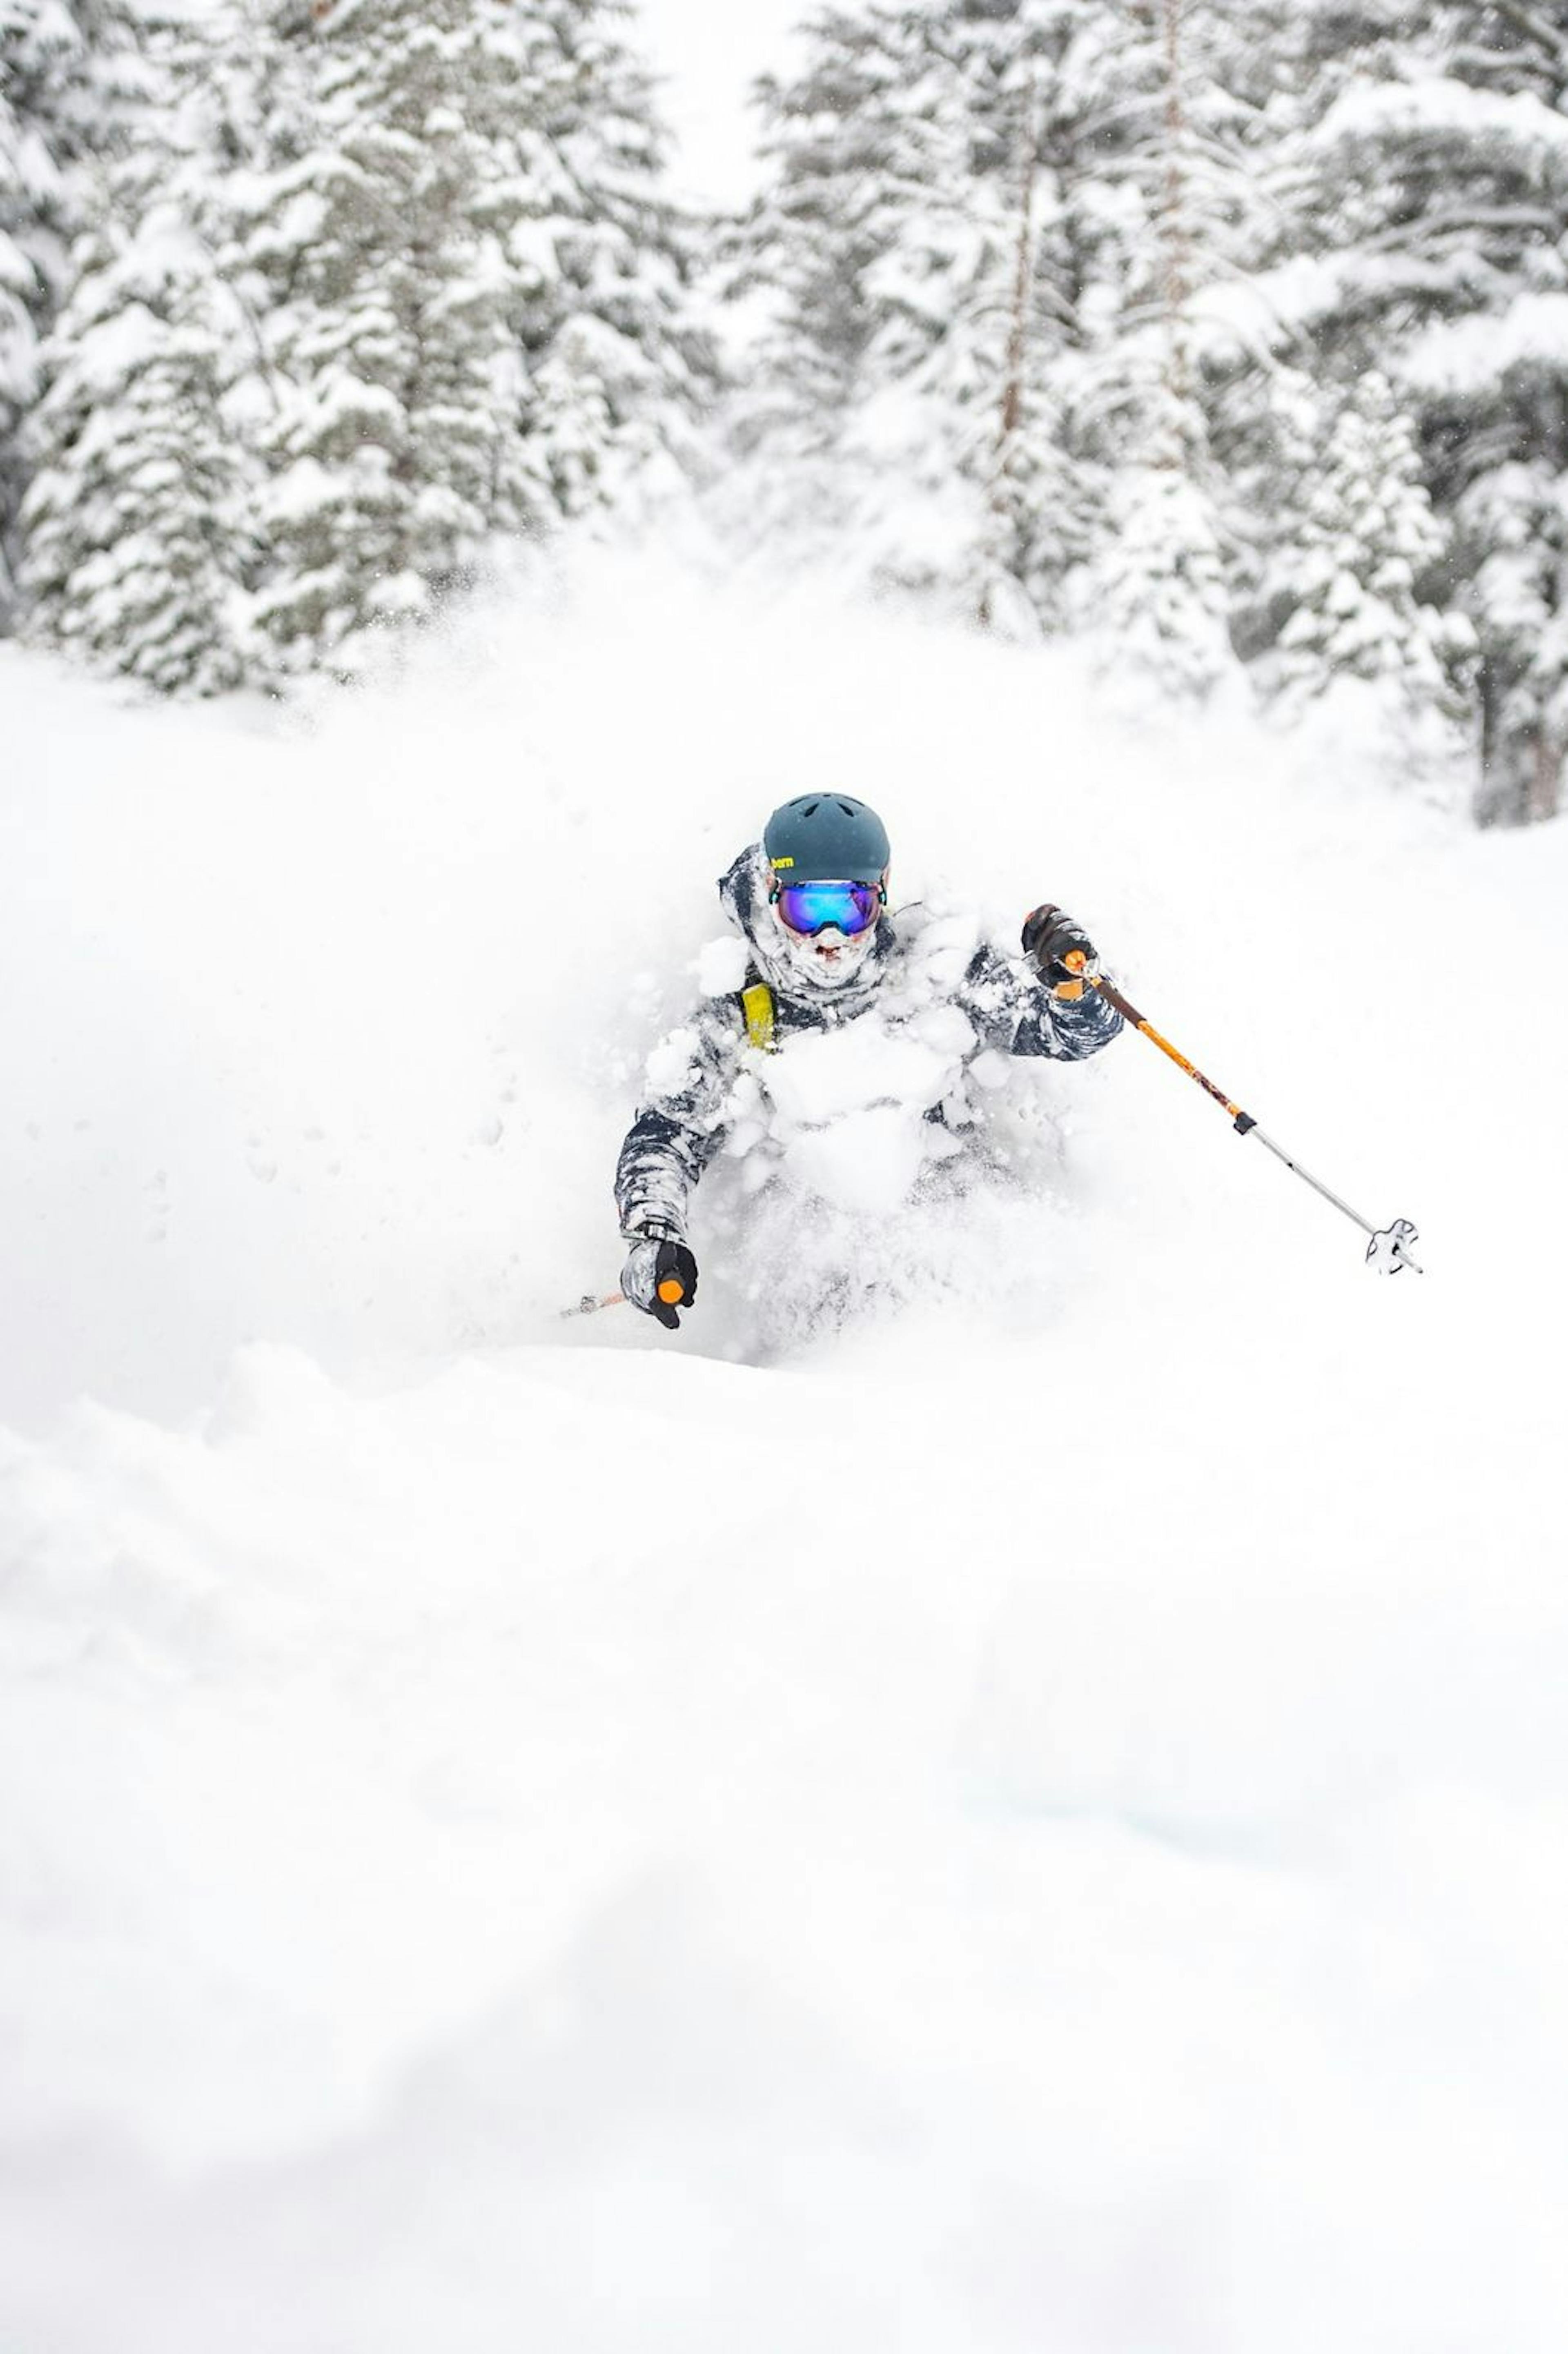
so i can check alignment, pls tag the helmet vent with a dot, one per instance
(823, 834)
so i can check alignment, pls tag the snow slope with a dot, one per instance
(1042, 1822)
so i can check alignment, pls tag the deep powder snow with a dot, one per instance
(1036, 1818)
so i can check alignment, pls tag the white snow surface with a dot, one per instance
(1036, 1822)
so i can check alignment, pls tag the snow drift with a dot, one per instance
(1039, 1819)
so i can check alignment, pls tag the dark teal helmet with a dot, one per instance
(825, 838)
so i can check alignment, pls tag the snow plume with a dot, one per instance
(1038, 1819)
(837, 1202)
(860, 1169)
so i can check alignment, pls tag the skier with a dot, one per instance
(916, 1010)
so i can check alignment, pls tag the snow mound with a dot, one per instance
(1038, 1817)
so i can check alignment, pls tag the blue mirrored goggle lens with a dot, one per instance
(811, 907)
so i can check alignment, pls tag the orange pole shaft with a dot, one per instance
(1129, 1012)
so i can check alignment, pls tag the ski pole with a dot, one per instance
(1389, 1249)
(671, 1291)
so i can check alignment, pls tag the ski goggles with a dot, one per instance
(812, 907)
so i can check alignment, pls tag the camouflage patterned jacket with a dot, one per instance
(933, 1009)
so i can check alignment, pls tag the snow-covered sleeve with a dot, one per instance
(680, 1122)
(1016, 1014)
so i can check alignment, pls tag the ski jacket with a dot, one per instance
(928, 1017)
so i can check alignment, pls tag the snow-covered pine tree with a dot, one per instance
(1494, 398)
(945, 437)
(136, 520)
(75, 77)
(994, 224)
(1510, 539)
(920, 244)
(45, 75)
(1367, 536)
(137, 531)
(1156, 599)
(20, 291)
(851, 142)
(475, 297)
(1432, 181)
(72, 97)
(1018, 491)
(620, 367)
(371, 239)
(999, 379)
(1151, 118)
(1156, 80)
(35, 43)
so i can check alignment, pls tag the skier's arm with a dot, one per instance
(680, 1126)
(661, 1163)
(1068, 1030)
(1017, 1013)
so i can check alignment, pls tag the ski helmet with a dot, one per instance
(825, 838)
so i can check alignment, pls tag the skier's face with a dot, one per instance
(830, 957)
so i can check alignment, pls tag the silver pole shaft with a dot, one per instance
(1330, 1195)
(1316, 1183)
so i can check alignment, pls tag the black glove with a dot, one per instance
(659, 1278)
(1049, 938)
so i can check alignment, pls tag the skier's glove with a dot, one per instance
(659, 1278)
(1050, 938)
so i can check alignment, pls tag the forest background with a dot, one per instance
(1229, 340)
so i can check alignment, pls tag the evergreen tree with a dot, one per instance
(996, 383)
(136, 525)
(1367, 536)
(1511, 531)
(372, 242)
(1157, 600)
(857, 142)
(71, 93)
(20, 291)
(911, 236)
(1432, 178)
(619, 370)
(136, 520)
(31, 203)
(1172, 180)
(475, 298)
(991, 224)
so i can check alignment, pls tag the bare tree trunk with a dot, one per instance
(1016, 361)
(1544, 791)
(1176, 237)
(10, 595)
(1521, 756)
(1522, 781)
